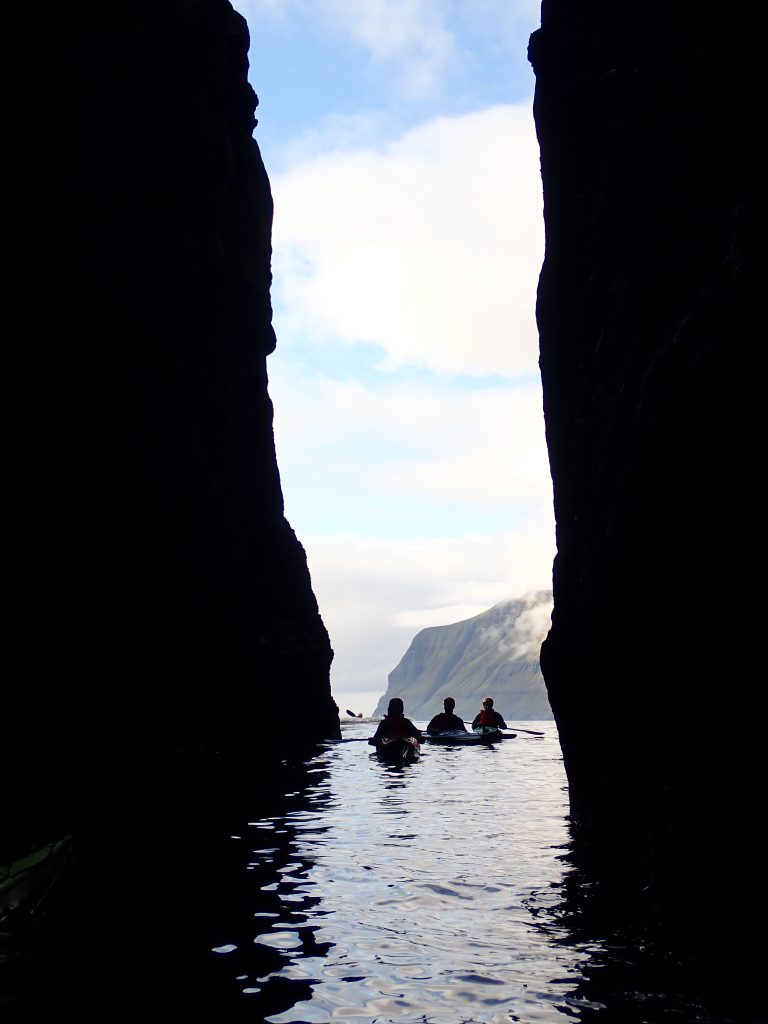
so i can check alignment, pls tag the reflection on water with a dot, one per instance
(433, 893)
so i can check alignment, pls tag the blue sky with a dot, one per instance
(407, 242)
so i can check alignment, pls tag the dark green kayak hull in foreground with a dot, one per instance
(25, 882)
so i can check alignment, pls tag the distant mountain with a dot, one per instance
(495, 653)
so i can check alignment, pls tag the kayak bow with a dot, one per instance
(398, 749)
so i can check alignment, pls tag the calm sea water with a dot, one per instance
(429, 893)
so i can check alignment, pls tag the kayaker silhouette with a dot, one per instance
(394, 724)
(446, 720)
(488, 718)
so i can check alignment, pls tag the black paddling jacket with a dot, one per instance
(445, 721)
(395, 725)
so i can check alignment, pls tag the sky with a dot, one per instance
(408, 238)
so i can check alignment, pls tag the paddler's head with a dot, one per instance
(395, 706)
(449, 703)
(488, 702)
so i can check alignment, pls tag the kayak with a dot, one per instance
(26, 881)
(398, 749)
(457, 737)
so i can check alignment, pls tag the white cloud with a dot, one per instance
(522, 634)
(479, 448)
(429, 248)
(411, 38)
(482, 447)
(411, 34)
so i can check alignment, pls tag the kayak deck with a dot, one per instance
(456, 737)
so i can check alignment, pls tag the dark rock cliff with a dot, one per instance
(160, 602)
(496, 653)
(649, 305)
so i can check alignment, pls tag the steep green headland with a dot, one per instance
(495, 653)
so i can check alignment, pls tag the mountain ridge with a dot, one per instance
(495, 652)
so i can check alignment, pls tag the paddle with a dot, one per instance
(500, 736)
(509, 736)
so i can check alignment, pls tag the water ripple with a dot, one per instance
(418, 894)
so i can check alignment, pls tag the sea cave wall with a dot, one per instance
(160, 603)
(649, 314)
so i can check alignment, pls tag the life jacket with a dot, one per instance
(486, 717)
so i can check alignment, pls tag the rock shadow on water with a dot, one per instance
(636, 969)
(174, 922)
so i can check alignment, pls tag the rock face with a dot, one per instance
(162, 604)
(648, 307)
(493, 653)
